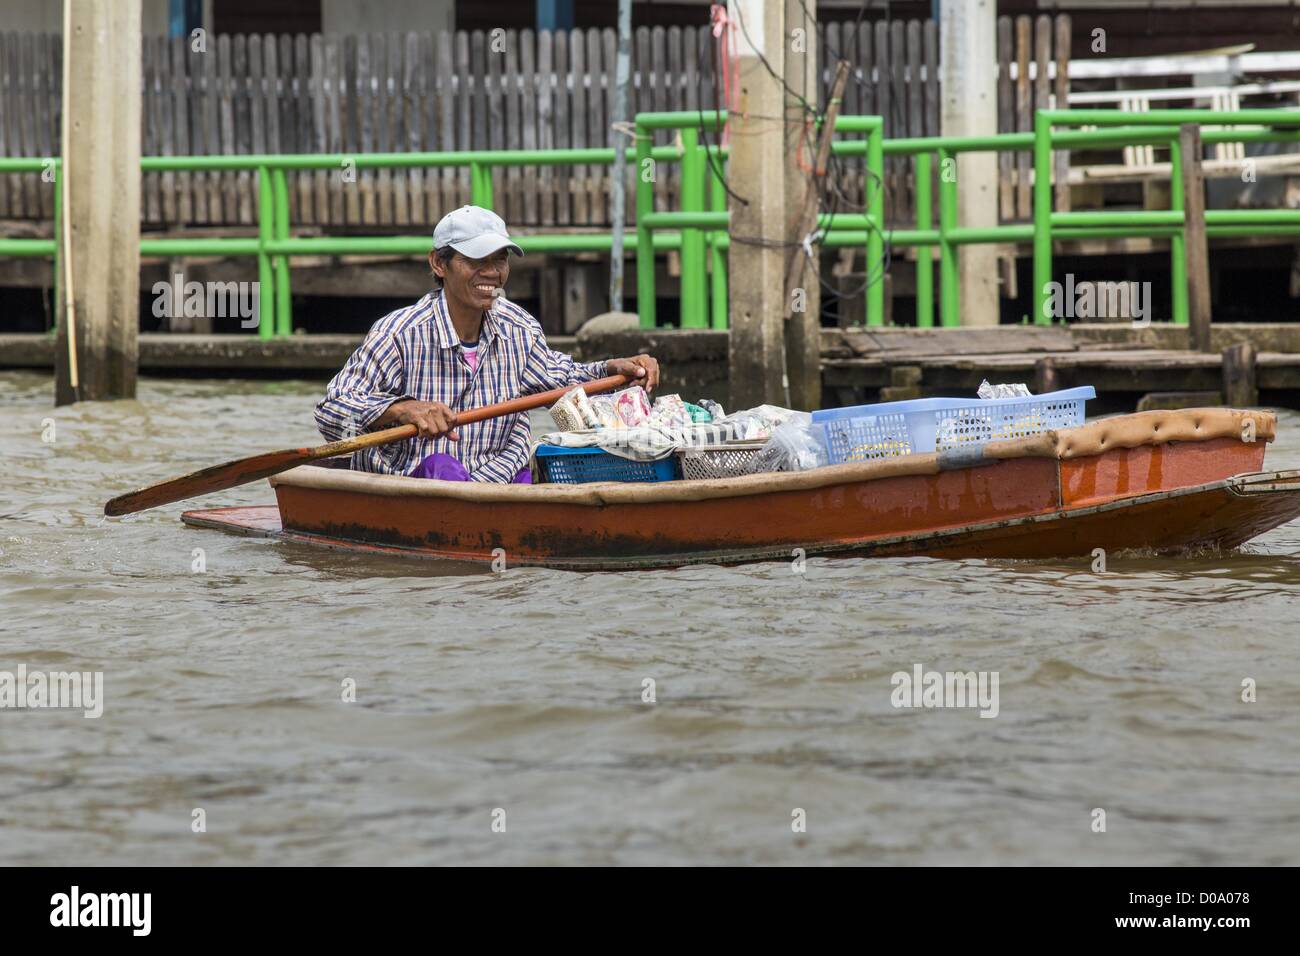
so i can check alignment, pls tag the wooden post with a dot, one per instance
(803, 277)
(756, 260)
(1047, 377)
(1006, 122)
(1061, 160)
(968, 62)
(1240, 389)
(96, 349)
(1196, 249)
(618, 182)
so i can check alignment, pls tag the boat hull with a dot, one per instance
(1117, 485)
(1217, 516)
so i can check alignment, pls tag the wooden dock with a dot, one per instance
(1153, 366)
(1150, 367)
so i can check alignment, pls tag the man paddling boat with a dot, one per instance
(462, 345)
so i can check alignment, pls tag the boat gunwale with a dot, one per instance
(1091, 439)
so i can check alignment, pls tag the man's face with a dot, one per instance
(471, 281)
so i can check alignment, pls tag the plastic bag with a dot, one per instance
(758, 424)
(698, 414)
(1016, 390)
(606, 412)
(795, 445)
(669, 412)
(955, 432)
(713, 408)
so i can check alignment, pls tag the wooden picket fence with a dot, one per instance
(1025, 42)
(447, 91)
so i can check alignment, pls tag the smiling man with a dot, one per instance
(461, 346)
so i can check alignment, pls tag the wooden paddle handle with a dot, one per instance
(469, 416)
(537, 401)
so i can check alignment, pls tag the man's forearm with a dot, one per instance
(393, 414)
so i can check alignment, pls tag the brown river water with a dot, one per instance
(516, 698)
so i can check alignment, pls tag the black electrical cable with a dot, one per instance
(828, 188)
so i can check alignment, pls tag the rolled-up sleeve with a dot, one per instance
(546, 368)
(368, 383)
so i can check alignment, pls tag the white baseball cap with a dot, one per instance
(474, 232)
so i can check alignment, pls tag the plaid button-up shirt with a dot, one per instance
(415, 353)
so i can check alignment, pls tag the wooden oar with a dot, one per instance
(244, 470)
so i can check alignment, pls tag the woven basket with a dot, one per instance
(718, 461)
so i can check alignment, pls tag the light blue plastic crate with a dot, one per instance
(867, 432)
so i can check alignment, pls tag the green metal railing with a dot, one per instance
(867, 229)
(274, 245)
(694, 219)
(1158, 127)
(699, 230)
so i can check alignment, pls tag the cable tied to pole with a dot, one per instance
(724, 32)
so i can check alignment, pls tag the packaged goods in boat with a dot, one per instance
(632, 405)
(669, 411)
(573, 412)
(606, 411)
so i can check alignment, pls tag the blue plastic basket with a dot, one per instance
(575, 466)
(867, 432)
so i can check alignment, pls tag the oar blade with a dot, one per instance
(216, 478)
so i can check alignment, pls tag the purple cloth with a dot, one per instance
(448, 468)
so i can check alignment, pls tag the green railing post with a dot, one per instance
(480, 184)
(694, 304)
(875, 304)
(645, 253)
(265, 232)
(1178, 241)
(924, 267)
(718, 281)
(949, 277)
(1042, 215)
(283, 315)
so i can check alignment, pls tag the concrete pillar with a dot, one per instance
(968, 82)
(756, 172)
(101, 183)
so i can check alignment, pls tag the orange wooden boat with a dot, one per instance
(1158, 481)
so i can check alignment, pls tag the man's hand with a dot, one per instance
(641, 369)
(433, 419)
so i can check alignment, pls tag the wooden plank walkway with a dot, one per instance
(857, 363)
